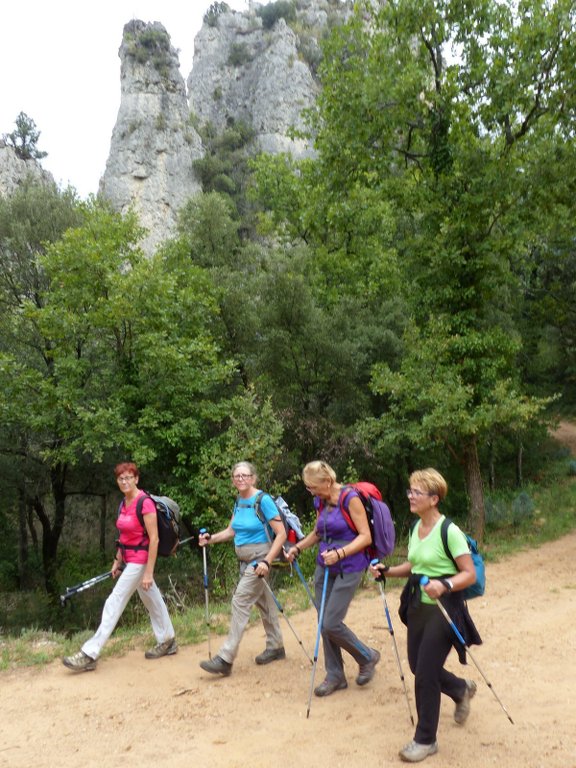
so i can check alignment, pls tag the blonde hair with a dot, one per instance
(316, 472)
(431, 480)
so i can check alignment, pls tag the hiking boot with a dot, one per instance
(217, 666)
(367, 671)
(463, 706)
(80, 662)
(329, 686)
(167, 648)
(414, 752)
(270, 654)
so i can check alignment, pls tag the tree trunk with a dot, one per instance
(475, 490)
(22, 540)
(103, 506)
(519, 465)
(51, 531)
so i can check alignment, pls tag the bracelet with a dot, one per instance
(343, 553)
(385, 569)
(338, 555)
(266, 563)
(297, 548)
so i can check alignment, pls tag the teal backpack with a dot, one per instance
(476, 589)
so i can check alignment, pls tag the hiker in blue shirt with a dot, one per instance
(252, 544)
(430, 637)
(342, 551)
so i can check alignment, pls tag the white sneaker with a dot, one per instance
(414, 752)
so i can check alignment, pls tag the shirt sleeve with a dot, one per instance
(148, 507)
(269, 508)
(457, 541)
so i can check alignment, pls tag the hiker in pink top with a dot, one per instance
(133, 566)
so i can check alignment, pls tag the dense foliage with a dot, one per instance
(404, 298)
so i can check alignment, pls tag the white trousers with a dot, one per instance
(128, 582)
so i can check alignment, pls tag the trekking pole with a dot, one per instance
(302, 578)
(393, 636)
(279, 606)
(318, 634)
(71, 591)
(423, 581)
(206, 609)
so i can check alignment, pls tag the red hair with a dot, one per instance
(126, 466)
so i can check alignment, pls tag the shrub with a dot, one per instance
(239, 54)
(283, 9)
(214, 12)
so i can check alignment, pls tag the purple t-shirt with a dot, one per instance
(335, 532)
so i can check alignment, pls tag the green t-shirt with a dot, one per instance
(427, 556)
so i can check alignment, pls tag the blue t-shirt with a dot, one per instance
(247, 527)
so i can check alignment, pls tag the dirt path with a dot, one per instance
(133, 712)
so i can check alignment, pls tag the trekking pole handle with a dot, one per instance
(381, 576)
(424, 580)
(204, 532)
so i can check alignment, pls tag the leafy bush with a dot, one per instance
(522, 508)
(283, 9)
(214, 12)
(239, 55)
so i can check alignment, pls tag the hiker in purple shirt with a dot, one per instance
(342, 551)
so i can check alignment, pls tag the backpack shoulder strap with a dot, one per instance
(258, 507)
(444, 534)
(344, 494)
(139, 505)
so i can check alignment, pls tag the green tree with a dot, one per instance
(436, 127)
(25, 138)
(456, 147)
(113, 357)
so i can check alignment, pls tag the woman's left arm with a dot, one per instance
(151, 525)
(464, 578)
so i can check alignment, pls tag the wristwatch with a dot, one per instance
(448, 584)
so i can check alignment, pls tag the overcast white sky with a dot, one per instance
(59, 64)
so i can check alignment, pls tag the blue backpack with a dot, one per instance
(476, 589)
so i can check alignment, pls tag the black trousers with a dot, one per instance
(429, 643)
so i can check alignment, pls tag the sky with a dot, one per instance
(59, 64)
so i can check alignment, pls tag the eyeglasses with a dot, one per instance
(125, 478)
(241, 477)
(416, 493)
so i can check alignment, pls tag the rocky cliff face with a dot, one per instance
(14, 171)
(251, 66)
(243, 72)
(153, 143)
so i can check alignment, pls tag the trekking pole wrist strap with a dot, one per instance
(266, 563)
(297, 548)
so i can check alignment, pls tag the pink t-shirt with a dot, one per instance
(131, 532)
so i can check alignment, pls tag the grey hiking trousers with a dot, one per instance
(251, 591)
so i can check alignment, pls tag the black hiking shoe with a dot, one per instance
(217, 666)
(367, 671)
(270, 654)
(329, 686)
